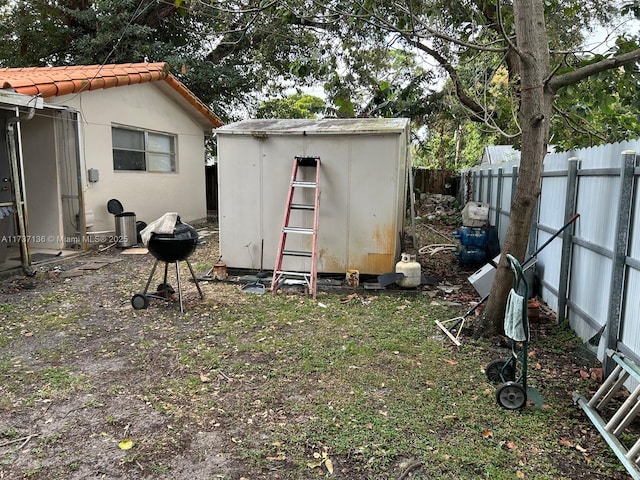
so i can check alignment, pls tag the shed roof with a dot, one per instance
(316, 126)
(58, 81)
(499, 153)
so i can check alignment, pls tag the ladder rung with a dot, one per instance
(293, 274)
(299, 183)
(302, 230)
(302, 206)
(296, 253)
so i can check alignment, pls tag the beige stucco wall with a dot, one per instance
(149, 195)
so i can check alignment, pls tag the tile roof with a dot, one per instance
(57, 81)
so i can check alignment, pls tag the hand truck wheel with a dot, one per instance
(500, 370)
(511, 395)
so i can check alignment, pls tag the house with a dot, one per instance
(83, 135)
(365, 167)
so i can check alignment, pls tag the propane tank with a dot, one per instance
(412, 271)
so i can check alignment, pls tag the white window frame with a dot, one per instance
(147, 152)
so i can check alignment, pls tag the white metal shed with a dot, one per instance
(363, 190)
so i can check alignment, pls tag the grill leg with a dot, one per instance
(165, 294)
(195, 280)
(153, 270)
(179, 285)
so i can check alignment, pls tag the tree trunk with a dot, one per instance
(534, 115)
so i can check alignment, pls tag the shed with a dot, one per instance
(494, 154)
(363, 190)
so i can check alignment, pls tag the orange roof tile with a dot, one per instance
(57, 81)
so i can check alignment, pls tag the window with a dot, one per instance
(143, 151)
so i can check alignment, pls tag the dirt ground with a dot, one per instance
(62, 429)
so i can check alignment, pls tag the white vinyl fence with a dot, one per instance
(590, 274)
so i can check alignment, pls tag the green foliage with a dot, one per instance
(602, 108)
(373, 58)
(298, 105)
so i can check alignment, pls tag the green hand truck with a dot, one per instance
(511, 372)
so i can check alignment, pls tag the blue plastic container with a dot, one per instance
(472, 255)
(473, 236)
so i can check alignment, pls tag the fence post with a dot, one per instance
(498, 199)
(567, 237)
(489, 191)
(514, 185)
(620, 247)
(474, 186)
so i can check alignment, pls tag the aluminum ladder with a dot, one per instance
(626, 412)
(303, 167)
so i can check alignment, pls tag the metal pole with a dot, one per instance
(499, 199)
(567, 238)
(621, 244)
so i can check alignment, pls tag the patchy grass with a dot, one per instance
(352, 386)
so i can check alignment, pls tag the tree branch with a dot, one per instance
(571, 123)
(555, 83)
(467, 101)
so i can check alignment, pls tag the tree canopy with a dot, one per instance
(373, 58)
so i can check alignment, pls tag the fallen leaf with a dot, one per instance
(580, 449)
(353, 296)
(486, 433)
(450, 362)
(125, 444)
(280, 457)
(519, 474)
(566, 442)
(329, 465)
(510, 445)
(314, 464)
(204, 378)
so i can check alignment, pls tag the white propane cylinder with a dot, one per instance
(412, 271)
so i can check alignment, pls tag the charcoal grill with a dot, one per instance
(170, 248)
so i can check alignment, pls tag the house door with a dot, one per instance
(70, 178)
(7, 204)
